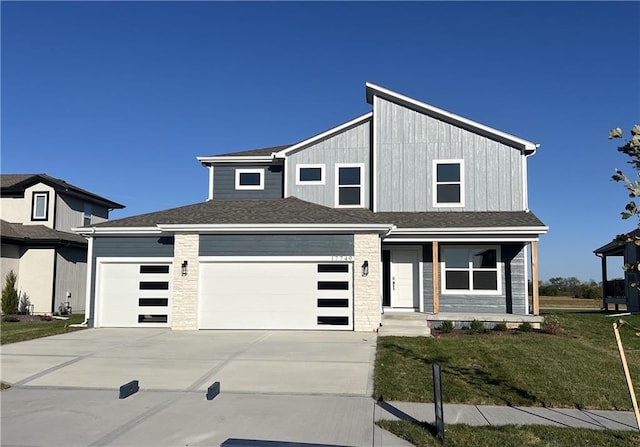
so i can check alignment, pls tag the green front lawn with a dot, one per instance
(579, 369)
(511, 436)
(12, 332)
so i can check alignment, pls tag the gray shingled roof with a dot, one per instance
(247, 211)
(16, 183)
(295, 211)
(254, 152)
(461, 219)
(37, 234)
(616, 246)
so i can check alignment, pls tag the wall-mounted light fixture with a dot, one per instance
(365, 268)
(185, 264)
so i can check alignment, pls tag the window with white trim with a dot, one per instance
(474, 270)
(249, 178)
(88, 214)
(40, 206)
(350, 185)
(310, 174)
(448, 187)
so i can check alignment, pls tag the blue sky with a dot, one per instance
(120, 98)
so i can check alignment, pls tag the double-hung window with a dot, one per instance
(350, 185)
(310, 174)
(448, 184)
(88, 213)
(249, 178)
(474, 270)
(40, 206)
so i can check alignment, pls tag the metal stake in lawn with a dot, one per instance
(437, 399)
(617, 325)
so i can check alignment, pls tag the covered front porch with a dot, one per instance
(621, 291)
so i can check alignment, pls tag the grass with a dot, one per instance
(510, 435)
(579, 369)
(12, 332)
(567, 302)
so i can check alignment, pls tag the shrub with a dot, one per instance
(501, 327)
(551, 325)
(10, 298)
(525, 327)
(446, 327)
(477, 327)
(25, 303)
(10, 319)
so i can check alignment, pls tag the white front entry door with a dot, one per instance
(405, 275)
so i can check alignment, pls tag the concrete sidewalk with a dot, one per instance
(503, 415)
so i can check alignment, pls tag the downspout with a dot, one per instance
(87, 303)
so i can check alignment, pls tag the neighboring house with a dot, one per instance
(408, 208)
(36, 216)
(621, 291)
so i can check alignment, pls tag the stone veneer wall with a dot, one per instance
(185, 288)
(367, 290)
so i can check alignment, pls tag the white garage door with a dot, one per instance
(275, 295)
(134, 294)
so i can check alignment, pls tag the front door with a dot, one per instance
(405, 278)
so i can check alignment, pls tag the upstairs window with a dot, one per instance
(88, 213)
(249, 178)
(40, 206)
(310, 174)
(473, 270)
(448, 188)
(349, 185)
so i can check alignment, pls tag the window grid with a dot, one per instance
(469, 274)
(444, 183)
(349, 191)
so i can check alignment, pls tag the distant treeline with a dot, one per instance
(569, 287)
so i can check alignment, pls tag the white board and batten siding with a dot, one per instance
(350, 146)
(408, 142)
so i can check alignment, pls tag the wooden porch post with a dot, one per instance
(436, 277)
(534, 277)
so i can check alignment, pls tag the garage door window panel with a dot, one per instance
(154, 269)
(333, 321)
(333, 302)
(333, 285)
(154, 285)
(153, 302)
(152, 318)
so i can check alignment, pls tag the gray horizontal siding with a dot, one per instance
(224, 182)
(276, 245)
(407, 143)
(133, 246)
(350, 146)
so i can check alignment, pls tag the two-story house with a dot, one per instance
(407, 208)
(37, 213)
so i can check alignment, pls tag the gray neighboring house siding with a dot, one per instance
(514, 294)
(276, 245)
(224, 182)
(349, 146)
(70, 212)
(406, 144)
(71, 276)
(127, 247)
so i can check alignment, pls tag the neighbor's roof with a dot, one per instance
(616, 246)
(16, 184)
(37, 235)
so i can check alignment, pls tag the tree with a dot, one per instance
(630, 148)
(10, 299)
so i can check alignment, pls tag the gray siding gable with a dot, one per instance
(407, 142)
(224, 181)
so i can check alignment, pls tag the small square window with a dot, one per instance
(448, 187)
(310, 174)
(40, 206)
(249, 178)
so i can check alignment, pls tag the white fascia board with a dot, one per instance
(235, 159)
(283, 153)
(275, 228)
(474, 230)
(373, 89)
(95, 231)
(469, 239)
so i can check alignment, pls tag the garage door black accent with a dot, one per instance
(154, 285)
(335, 321)
(331, 268)
(333, 302)
(154, 269)
(152, 319)
(333, 285)
(153, 302)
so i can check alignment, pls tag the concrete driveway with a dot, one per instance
(163, 360)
